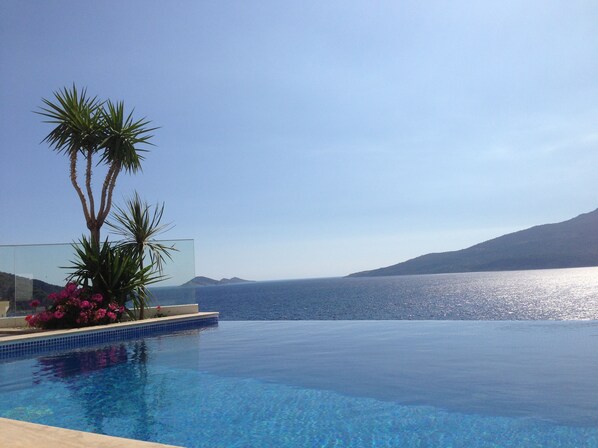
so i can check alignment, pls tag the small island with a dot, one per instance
(206, 281)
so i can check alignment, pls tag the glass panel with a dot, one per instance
(30, 272)
(177, 271)
(7, 277)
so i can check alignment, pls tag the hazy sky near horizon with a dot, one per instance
(313, 139)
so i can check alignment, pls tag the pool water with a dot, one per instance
(320, 383)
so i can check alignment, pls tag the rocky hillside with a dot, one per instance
(572, 243)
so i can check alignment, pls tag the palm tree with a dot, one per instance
(86, 127)
(139, 223)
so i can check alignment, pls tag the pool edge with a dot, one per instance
(25, 434)
(32, 343)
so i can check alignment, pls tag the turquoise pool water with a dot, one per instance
(333, 384)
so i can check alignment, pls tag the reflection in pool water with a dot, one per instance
(106, 383)
(355, 384)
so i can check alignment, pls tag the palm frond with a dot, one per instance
(122, 137)
(139, 224)
(77, 118)
(112, 272)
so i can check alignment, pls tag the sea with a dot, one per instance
(551, 294)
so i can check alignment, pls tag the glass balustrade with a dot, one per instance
(29, 272)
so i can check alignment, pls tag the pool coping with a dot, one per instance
(37, 342)
(27, 337)
(19, 434)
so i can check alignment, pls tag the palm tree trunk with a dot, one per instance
(73, 157)
(95, 235)
(107, 189)
(141, 302)
(92, 211)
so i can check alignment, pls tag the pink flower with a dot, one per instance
(97, 298)
(31, 320)
(111, 315)
(70, 288)
(85, 304)
(113, 306)
(100, 314)
(53, 296)
(45, 316)
(34, 303)
(58, 314)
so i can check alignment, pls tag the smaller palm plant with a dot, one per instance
(138, 224)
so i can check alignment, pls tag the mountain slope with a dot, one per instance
(572, 243)
(36, 288)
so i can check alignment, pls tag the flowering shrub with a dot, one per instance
(75, 307)
(159, 312)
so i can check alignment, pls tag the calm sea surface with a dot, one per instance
(561, 294)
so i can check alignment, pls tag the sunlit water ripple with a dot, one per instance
(565, 294)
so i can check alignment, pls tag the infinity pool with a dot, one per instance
(322, 383)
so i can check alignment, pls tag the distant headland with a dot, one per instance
(10, 283)
(205, 281)
(568, 244)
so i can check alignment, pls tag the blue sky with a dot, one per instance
(312, 139)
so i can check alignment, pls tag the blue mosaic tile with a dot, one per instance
(23, 348)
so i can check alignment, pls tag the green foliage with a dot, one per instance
(111, 272)
(84, 123)
(77, 118)
(120, 135)
(139, 223)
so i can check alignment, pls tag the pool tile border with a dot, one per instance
(28, 344)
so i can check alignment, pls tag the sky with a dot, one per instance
(312, 139)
